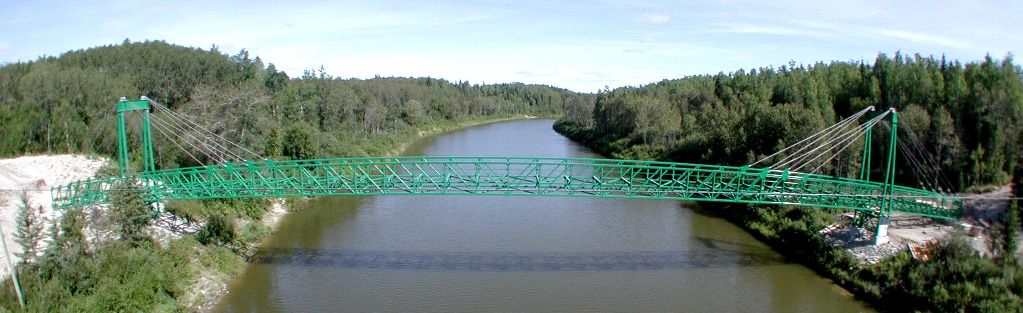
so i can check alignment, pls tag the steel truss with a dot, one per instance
(515, 176)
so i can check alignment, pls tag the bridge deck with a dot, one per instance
(514, 176)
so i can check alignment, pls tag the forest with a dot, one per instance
(968, 117)
(66, 104)
(965, 117)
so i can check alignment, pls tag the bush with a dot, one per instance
(252, 233)
(197, 210)
(130, 210)
(219, 230)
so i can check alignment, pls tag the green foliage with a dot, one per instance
(221, 260)
(219, 230)
(956, 279)
(129, 282)
(130, 211)
(121, 277)
(28, 229)
(252, 233)
(62, 104)
(67, 259)
(300, 142)
(199, 210)
(1012, 219)
(274, 142)
(969, 117)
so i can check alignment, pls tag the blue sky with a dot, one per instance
(579, 45)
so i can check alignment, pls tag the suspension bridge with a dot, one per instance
(236, 172)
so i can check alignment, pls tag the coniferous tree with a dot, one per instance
(130, 211)
(28, 229)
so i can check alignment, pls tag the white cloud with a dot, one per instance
(655, 18)
(921, 38)
(743, 28)
(833, 31)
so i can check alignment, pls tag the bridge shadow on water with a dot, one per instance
(515, 261)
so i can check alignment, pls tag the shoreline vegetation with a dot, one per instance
(61, 105)
(967, 117)
(897, 283)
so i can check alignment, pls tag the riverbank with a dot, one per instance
(32, 177)
(953, 278)
(406, 141)
(198, 274)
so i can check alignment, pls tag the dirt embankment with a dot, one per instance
(33, 176)
(981, 213)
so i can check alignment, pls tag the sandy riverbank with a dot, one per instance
(34, 176)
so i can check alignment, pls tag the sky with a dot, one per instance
(580, 45)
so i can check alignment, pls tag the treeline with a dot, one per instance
(66, 104)
(968, 117)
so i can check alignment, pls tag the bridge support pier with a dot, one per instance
(881, 236)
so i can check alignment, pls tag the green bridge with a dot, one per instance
(510, 176)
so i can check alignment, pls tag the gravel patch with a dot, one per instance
(860, 243)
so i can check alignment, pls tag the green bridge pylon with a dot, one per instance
(123, 158)
(885, 211)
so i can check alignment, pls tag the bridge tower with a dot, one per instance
(123, 106)
(884, 214)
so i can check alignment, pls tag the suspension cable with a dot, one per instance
(928, 158)
(801, 160)
(218, 149)
(821, 135)
(160, 128)
(211, 152)
(922, 178)
(202, 129)
(923, 175)
(184, 129)
(829, 129)
(850, 139)
(217, 152)
(803, 152)
(859, 132)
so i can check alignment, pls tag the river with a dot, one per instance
(519, 254)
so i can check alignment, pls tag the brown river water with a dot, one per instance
(519, 254)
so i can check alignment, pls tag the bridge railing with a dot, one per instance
(519, 176)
